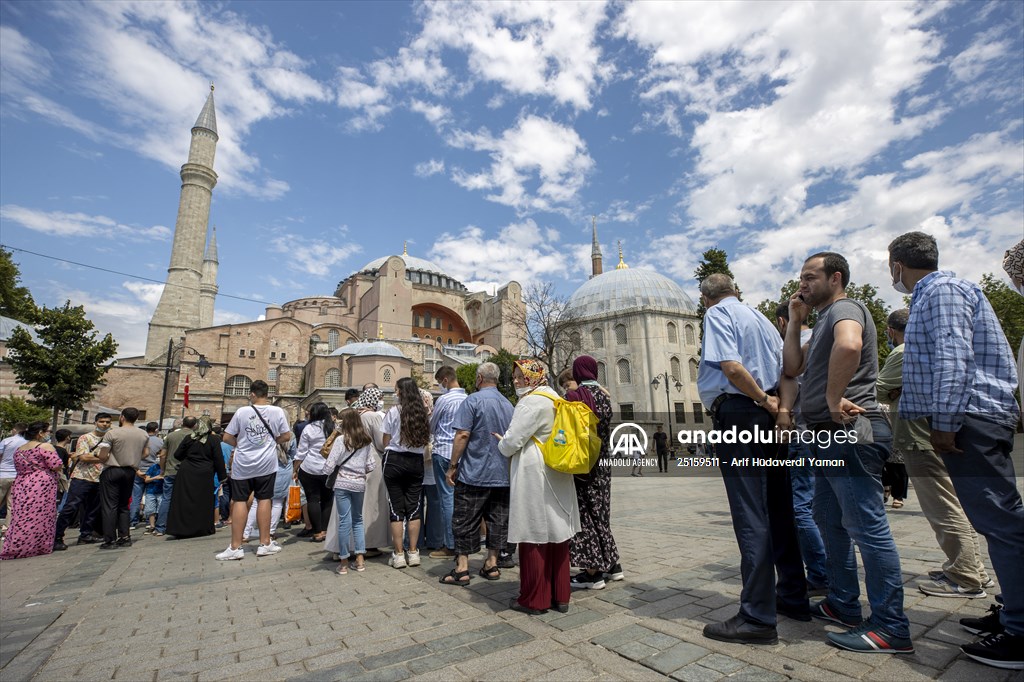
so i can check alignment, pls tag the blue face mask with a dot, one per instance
(889, 342)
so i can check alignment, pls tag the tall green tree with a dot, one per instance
(63, 371)
(1009, 308)
(712, 261)
(466, 375)
(505, 360)
(14, 409)
(767, 307)
(15, 300)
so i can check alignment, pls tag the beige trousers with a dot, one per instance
(5, 496)
(942, 508)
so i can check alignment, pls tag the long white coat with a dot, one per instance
(543, 501)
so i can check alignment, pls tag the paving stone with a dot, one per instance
(675, 657)
(502, 641)
(397, 656)
(754, 674)
(441, 659)
(575, 620)
(452, 641)
(659, 641)
(722, 663)
(696, 673)
(635, 651)
(629, 633)
(392, 674)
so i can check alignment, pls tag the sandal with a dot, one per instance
(342, 570)
(454, 577)
(897, 504)
(492, 573)
(360, 568)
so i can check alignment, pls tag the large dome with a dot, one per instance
(411, 263)
(625, 290)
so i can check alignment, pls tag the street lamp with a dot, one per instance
(202, 365)
(668, 396)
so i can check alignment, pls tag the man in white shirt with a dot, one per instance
(442, 421)
(7, 471)
(255, 432)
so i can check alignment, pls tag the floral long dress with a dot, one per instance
(594, 547)
(33, 504)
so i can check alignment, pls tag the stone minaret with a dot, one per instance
(179, 306)
(208, 285)
(595, 252)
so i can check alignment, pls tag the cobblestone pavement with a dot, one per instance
(164, 609)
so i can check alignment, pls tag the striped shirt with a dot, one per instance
(443, 419)
(956, 359)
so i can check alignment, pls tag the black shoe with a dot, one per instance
(516, 606)
(801, 613)
(109, 545)
(506, 561)
(561, 608)
(124, 542)
(87, 540)
(304, 533)
(59, 546)
(739, 630)
(615, 573)
(1002, 650)
(586, 581)
(986, 625)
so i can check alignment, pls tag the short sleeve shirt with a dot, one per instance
(735, 332)
(256, 451)
(126, 445)
(483, 414)
(156, 444)
(88, 471)
(393, 427)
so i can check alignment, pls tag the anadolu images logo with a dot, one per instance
(629, 440)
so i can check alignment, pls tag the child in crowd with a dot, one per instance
(154, 491)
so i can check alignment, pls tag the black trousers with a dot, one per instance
(894, 475)
(403, 477)
(115, 494)
(84, 498)
(319, 500)
(663, 460)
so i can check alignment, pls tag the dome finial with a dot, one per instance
(405, 248)
(380, 330)
(622, 264)
(211, 86)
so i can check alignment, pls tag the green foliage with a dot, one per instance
(64, 370)
(420, 380)
(1009, 308)
(15, 301)
(767, 307)
(14, 409)
(467, 376)
(505, 360)
(712, 261)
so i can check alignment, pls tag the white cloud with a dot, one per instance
(553, 155)
(64, 224)
(125, 316)
(313, 256)
(624, 211)
(436, 114)
(428, 168)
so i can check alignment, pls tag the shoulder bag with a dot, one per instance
(282, 453)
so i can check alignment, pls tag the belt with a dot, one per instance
(727, 396)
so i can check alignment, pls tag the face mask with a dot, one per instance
(444, 389)
(897, 282)
(102, 429)
(44, 440)
(523, 391)
(889, 342)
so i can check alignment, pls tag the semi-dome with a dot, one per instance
(378, 348)
(623, 290)
(411, 263)
(350, 348)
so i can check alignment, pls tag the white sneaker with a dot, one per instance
(267, 550)
(398, 560)
(245, 538)
(413, 558)
(231, 554)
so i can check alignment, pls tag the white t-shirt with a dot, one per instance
(256, 452)
(310, 443)
(393, 427)
(7, 448)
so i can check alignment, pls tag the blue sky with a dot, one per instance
(487, 135)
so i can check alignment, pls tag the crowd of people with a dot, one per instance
(439, 475)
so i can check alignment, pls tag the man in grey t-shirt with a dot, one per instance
(837, 398)
(121, 450)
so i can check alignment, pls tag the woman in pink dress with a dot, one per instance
(33, 496)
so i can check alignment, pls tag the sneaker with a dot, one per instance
(124, 542)
(443, 553)
(397, 560)
(868, 639)
(267, 550)
(87, 540)
(801, 612)
(988, 584)
(149, 530)
(824, 610)
(59, 546)
(947, 588)
(986, 625)
(412, 558)
(109, 545)
(230, 554)
(158, 534)
(615, 573)
(1001, 650)
(506, 561)
(940, 574)
(585, 581)
(246, 538)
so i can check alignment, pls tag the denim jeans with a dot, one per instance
(446, 498)
(432, 534)
(985, 482)
(138, 492)
(165, 504)
(812, 547)
(349, 507)
(849, 509)
(152, 505)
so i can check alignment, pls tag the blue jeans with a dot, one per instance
(849, 509)
(433, 530)
(349, 507)
(984, 480)
(812, 547)
(165, 504)
(446, 499)
(138, 491)
(152, 504)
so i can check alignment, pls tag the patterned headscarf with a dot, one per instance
(369, 399)
(428, 400)
(1013, 264)
(534, 372)
(203, 428)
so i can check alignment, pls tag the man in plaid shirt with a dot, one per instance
(958, 372)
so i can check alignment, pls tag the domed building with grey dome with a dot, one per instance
(640, 326)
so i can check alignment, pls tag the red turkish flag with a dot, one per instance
(186, 390)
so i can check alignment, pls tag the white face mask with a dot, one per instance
(523, 391)
(897, 282)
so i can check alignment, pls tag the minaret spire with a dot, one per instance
(405, 248)
(622, 264)
(595, 251)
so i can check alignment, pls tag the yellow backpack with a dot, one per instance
(574, 445)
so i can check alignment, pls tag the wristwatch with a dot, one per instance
(762, 401)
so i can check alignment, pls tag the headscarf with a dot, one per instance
(369, 399)
(203, 428)
(428, 400)
(584, 371)
(1013, 264)
(533, 371)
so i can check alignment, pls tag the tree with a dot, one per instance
(14, 409)
(712, 261)
(15, 301)
(548, 326)
(767, 307)
(868, 295)
(466, 374)
(63, 371)
(421, 381)
(505, 360)
(1009, 308)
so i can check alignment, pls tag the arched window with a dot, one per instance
(673, 333)
(315, 338)
(620, 334)
(238, 385)
(625, 376)
(691, 338)
(597, 337)
(693, 370)
(602, 374)
(576, 341)
(350, 339)
(272, 375)
(676, 369)
(386, 375)
(333, 340)
(332, 378)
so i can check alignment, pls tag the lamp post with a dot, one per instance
(202, 365)
(668, 396)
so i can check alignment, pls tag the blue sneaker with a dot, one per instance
(868, 639)
(824, 610)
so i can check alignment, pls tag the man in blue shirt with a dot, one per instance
(479, 474)
(740, 369)
(958, 373)
(442, 421)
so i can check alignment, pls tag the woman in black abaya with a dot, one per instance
(194, 501)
